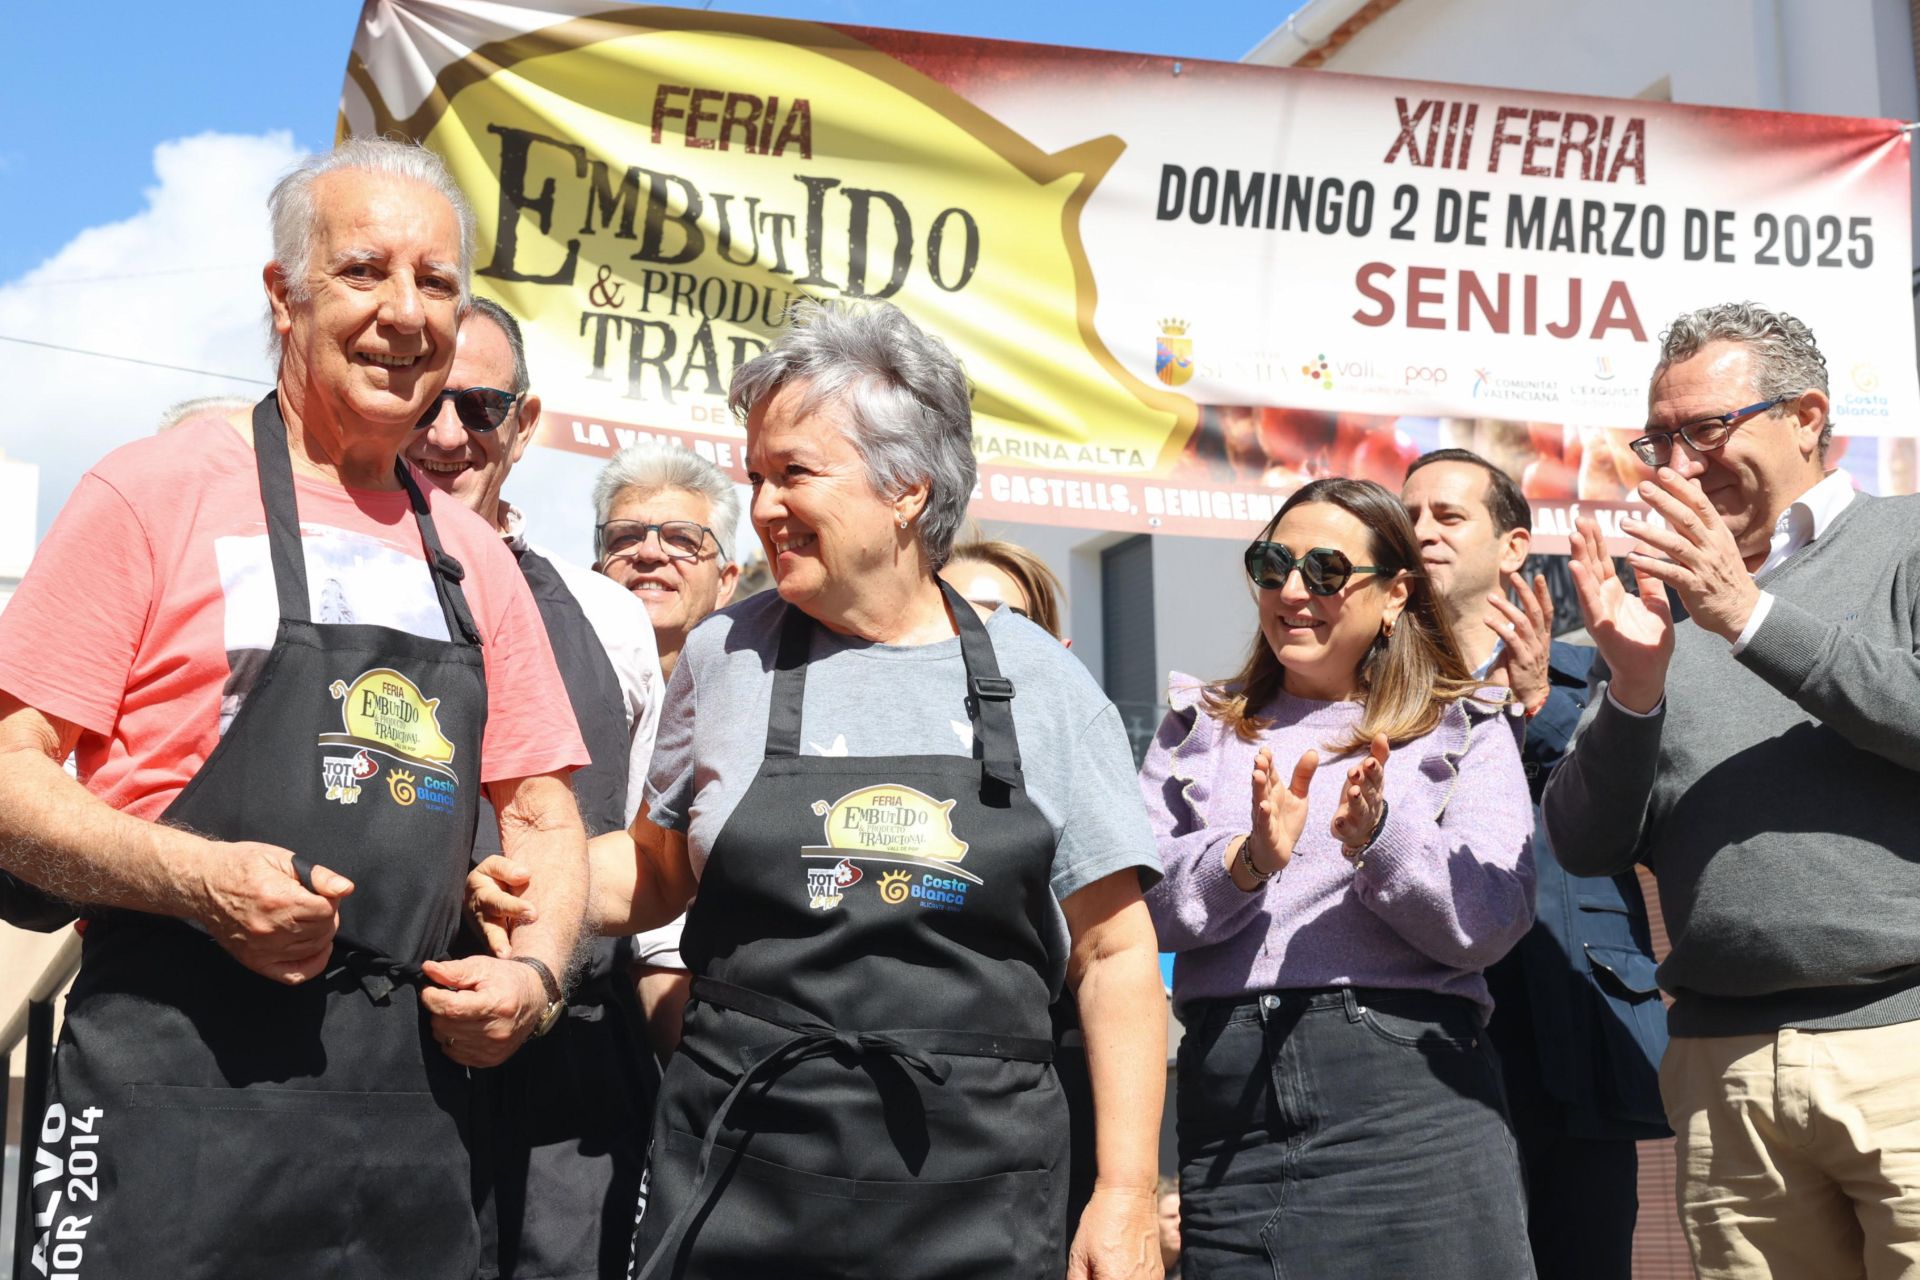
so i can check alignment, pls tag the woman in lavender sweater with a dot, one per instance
(1344, 829)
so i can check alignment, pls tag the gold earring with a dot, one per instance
(1386, 629)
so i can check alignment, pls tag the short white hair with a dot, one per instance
(179, 413)
(295, 213)
(650, 466)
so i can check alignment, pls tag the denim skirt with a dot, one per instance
(1352, 1132)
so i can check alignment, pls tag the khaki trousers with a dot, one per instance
(1799, 1152)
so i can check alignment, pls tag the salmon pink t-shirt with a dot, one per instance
(147, 614)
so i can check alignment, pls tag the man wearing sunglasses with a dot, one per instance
(1577, 1019)
(1760, 757)
(568, 1114)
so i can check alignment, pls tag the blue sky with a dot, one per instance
(141, 139)
(91, 90)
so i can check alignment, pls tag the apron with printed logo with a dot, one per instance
(208, 1122)
(865, 1085)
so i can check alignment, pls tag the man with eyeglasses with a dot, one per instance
(664, 520)
(1760, 757)
(567, 1117)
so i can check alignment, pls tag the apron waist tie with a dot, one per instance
(812, 1038)
(377, 973)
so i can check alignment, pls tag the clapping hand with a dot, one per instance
(1362, 804)
(1526, 636)
(1279, 812)
(1703, 563)
(1633, 633)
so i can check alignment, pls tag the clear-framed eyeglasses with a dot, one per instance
(679, 539)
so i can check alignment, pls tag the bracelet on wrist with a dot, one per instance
(1356, 853)
(1245, 860)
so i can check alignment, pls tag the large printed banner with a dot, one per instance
(1181, 288)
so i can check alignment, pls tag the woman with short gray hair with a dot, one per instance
(901, 815)
(909, 826)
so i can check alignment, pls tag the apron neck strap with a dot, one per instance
(274, 463)
(989, 694)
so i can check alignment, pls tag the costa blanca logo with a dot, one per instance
(1865, 377)
(400, 786)
(895, 885)
(1173, 353)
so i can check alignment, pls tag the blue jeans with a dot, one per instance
(1346, 1133)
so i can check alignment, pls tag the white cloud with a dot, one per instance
(207, 209)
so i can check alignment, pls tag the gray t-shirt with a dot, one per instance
(866, 699)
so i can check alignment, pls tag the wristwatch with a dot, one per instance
(556, 998)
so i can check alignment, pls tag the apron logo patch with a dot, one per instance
(889, 824)
(892, 820)
(382, 710)
(342, 776)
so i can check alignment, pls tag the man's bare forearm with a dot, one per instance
(57, 836)
(540, 828)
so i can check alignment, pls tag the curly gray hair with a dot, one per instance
(1786, 359)
(295, 215)
(911, 407)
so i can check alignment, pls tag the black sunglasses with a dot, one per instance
(1323, 570)
(1703, 435)
(481, 409)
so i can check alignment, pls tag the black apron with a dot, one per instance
(208, 1122)
(864, 1088)
(566, 1116)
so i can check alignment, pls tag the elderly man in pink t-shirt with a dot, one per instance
(288, 671)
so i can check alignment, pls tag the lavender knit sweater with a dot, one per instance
(1444, 892)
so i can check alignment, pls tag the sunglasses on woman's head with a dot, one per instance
(481, 409)
(1323, 570)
